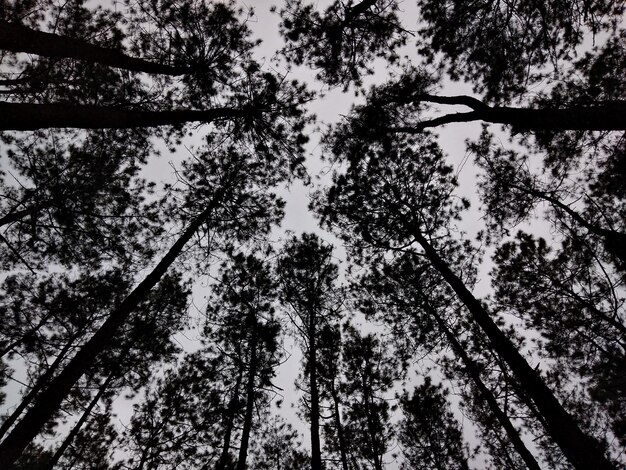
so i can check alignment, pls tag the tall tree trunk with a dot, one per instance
(338, 424)
(19, 38)
(581, 450)
(79, 424)
(250, 389)
(316, 453)
(602, 116)
(52, 397)
(41, 382)
(28, 117)
(230, 422)
(486, 394)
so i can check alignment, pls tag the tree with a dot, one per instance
(508, 180)
(309, 293)
(412, 301)
(228, 179)
(78, 200)
(341, 42)
(247, 333)
(177, 423)
(369, 373)
(398, 194)
(505, 48)
(330, 345)
(576, 310)
(428, 432)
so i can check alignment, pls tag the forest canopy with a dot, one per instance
(459, 304)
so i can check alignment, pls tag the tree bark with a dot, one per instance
(51, 398)
(247, 421)
(19, 38)
(581, 450)
(473, 372)
(28, 117)
(79, 424)
(316, 453)
(603, 116)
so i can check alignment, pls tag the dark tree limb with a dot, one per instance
(601, 116)
(19, 38)
(358, 10)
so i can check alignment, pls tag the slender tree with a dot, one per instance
(429, 434)
(308, 291)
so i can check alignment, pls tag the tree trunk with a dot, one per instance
(602, 116)
(15, 216)
(28, 117)
(340, 437)
(51, 398)
(316, 453)
(41, 382)
(79, 424)
(581, 450)
(230, 421)
(473, 372)
(250, 389)
(18, 38)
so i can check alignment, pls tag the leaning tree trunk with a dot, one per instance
(79, 424)
(29, 117)
(51, 398)
(19, 38)
(487, 395)
(41, 382)
(581, 450)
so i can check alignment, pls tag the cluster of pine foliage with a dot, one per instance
(99, 260)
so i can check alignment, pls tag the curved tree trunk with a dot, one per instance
(581, 450)
(19, 38)
(51, 398)
(28, 117)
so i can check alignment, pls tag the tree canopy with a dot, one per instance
(459, 304)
